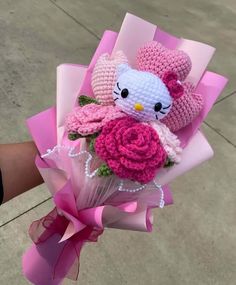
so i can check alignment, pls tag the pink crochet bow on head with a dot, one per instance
(174, 86)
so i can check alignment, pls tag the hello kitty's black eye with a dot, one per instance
(158, 107)
(124, 93)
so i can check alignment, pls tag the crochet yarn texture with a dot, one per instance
(184, 110)
(104, 76)
(90, 118)
(157, 59)
(132, 150)
(170, 141)
(141, 95)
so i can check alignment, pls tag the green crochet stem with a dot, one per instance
(85, 100)
(91, 141)
(91, 145)
(93, 136)
(104, 170)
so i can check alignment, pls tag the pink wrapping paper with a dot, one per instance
(105, 46)
(129, 42)
(69, 79)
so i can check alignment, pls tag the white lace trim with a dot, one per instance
(71, 153)
(121, 189)
(162, 200)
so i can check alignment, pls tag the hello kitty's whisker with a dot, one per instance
(118, 85)
(116, 93)
(166, 107)
(156, 117)
(116, 99)
(162, 112)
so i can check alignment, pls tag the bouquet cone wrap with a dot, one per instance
(84, 206)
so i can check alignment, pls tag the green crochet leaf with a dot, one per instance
(94, 136)
(104, 170)
(74, 136)
(168, 163)
(85, 100)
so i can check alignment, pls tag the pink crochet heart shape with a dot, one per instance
(157, 59)
(104, 76)
(184, 110)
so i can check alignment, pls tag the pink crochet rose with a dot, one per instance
(131, 149)
(90, 118)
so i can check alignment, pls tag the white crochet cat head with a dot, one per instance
(143, 95)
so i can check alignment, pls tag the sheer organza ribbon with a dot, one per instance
(60, 235)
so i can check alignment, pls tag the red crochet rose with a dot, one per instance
(131, 149)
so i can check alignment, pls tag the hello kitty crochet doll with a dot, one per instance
(143, 95)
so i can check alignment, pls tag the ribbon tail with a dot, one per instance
(51, 261)
(69, 261)
(40, 260)
(67, 264)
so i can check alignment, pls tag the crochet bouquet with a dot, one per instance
(122, 129)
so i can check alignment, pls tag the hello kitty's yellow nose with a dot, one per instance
(138, 107)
